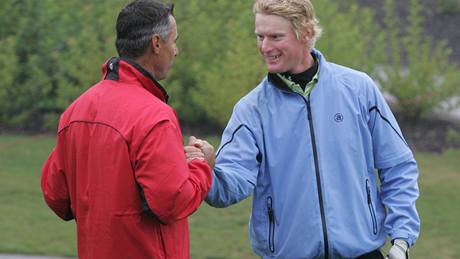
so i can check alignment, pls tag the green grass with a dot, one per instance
(439, 206)
(28, 226)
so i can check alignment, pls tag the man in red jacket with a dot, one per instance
(119, 167)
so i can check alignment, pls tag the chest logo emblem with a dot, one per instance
(338, 117)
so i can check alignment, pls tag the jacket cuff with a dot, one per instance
(410, 240)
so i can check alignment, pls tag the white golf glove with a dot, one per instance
(398, 250)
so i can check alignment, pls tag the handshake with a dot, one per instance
(200, 149)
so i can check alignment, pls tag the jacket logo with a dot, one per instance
(338, 117)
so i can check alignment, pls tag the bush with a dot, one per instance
(417, 72)
(453, 137)
(447, 7)
(50, 55)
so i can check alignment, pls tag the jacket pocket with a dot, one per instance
(371, 208)
(271, 225)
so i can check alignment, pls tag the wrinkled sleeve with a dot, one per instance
(399, 194)
(398, 171)
(173, 188)
(54, 186)
(237, 165)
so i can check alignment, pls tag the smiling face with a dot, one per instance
(279, 45)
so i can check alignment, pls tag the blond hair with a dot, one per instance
(300, 13)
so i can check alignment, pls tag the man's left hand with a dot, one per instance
(398, 250)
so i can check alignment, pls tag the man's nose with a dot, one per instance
(265, 45)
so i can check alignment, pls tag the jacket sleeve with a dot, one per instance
(237, 165)
(54, 187)
(398, 171)
(399, 194)
(173, 188)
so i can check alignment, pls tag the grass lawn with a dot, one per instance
(28, 226)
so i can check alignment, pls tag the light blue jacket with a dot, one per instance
(311, 164)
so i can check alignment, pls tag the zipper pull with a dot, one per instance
(270, 215)
(368, 190)
(270, 209)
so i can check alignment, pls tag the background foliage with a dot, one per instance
(51, 51)
(417, 71)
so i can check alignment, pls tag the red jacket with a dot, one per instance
(119, 170)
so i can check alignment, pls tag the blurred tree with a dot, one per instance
(86, 44)
(193, 53)
(417, 72)
(208, 32)
(351, 35)
(235, 67)
(448, 7)
(9, 65)
(10, 20)
(10, 17)
(25, 92)
(51, 51)
(54, 52)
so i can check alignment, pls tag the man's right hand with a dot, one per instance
(205, 147)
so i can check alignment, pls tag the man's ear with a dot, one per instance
(156, 43)
(306, 37)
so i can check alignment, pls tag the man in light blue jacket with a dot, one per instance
(320, 150)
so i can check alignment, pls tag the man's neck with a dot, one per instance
(145, 62)
(304, 77)
(306, 64)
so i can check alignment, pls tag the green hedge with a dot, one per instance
(51, 51)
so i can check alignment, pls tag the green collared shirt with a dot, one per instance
(297, 88)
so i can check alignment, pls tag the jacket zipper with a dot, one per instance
(318, 178)
(371, 208)
(271, 226)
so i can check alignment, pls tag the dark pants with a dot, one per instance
(372, 255)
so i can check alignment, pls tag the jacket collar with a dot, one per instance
(126, 70)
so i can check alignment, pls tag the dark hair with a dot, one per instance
(137, 22)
